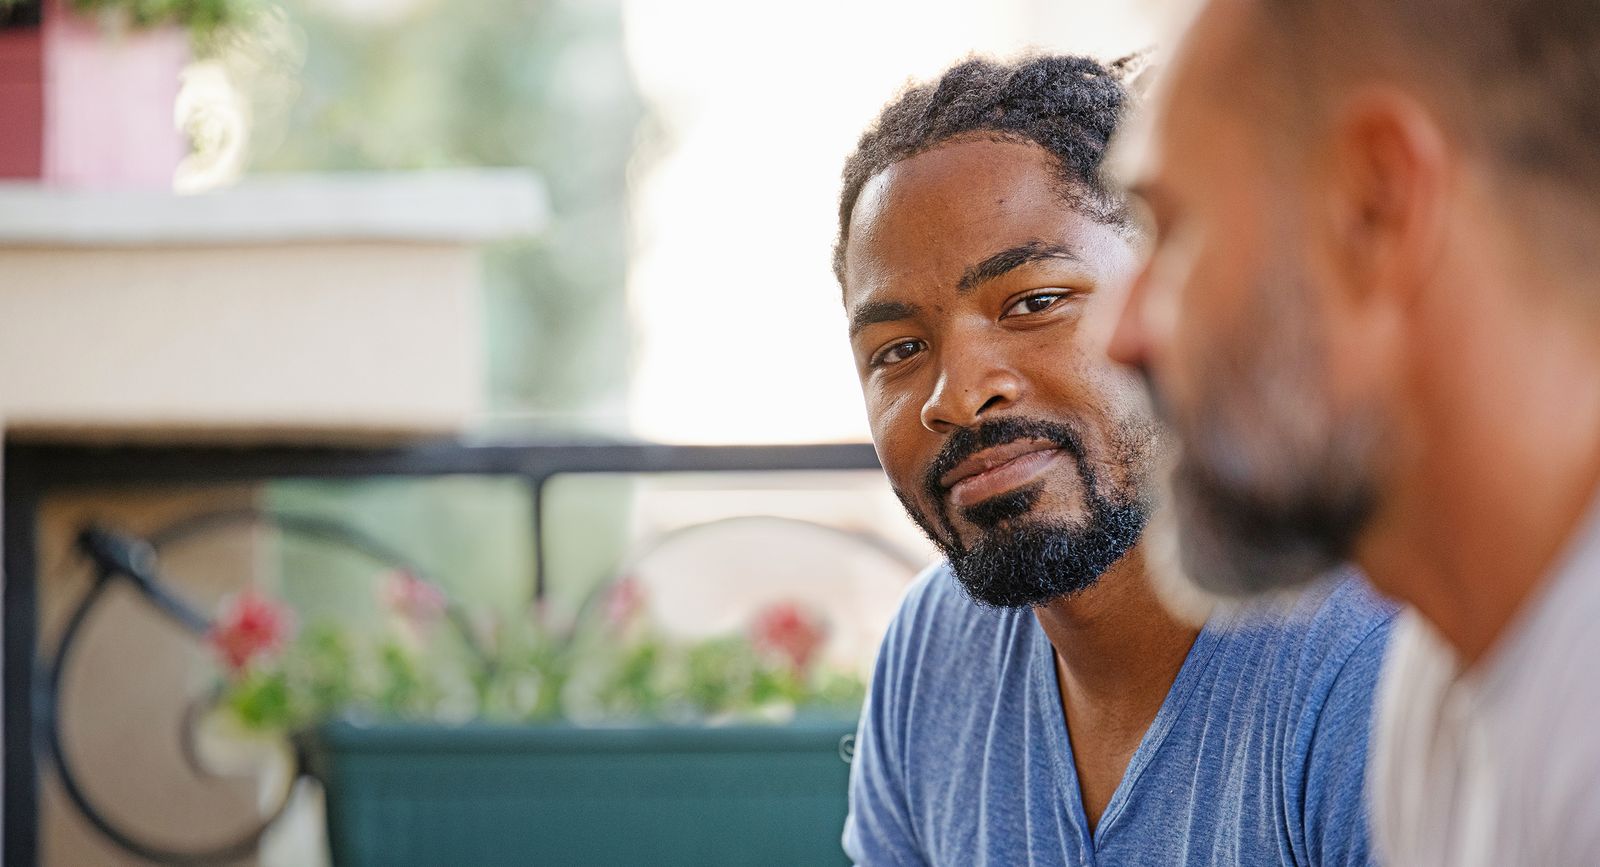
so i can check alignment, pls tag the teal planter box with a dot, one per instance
(441, 796)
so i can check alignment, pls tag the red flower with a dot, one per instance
(251, 626)
(414, 599)
(791, 632)
(624, 602)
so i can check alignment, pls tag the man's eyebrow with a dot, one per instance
(874, 312)
(1006, 261)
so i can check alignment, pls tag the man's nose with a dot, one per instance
(1130, 341)
(971, 387)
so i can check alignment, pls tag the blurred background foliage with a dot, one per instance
(356, 85)
(473, 535)
(343, 85)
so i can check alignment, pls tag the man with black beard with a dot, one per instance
(1034, 702)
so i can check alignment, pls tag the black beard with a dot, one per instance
(1016, 563)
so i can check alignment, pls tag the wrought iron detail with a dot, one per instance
(34, 472)
(125, 557)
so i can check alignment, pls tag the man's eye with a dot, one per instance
(1034, 304)
(895, 353)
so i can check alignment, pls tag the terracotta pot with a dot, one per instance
(86, 105)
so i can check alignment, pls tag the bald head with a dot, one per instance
(1517, 81)
(1371, 220)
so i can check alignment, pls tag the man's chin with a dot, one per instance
(999, 579)
(1231, 544)
(1033, 563)
(1005, 512)
(1235, 568)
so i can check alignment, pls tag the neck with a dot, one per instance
(1118, 648)
(1503, 463)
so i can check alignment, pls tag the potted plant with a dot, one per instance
(88, 87)
(445, 736)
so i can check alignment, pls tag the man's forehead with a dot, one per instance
(963, 172)
(941, 207)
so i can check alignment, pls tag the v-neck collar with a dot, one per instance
(1046, 685)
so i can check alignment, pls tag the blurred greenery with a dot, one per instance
(471, 535)
(342, 85)
(206, 20)
(526, 83)
(203, 18)
(587, 534)
(608, 663)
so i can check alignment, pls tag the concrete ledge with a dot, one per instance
(326, 307)
(253, 341)
(457, 206)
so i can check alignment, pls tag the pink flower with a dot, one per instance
(789, 631)
(415, 600)
(251, 626)
(624, 601)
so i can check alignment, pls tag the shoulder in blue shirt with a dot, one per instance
(1256, 757)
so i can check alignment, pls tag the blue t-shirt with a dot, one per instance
(1256, 757)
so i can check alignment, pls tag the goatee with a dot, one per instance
(1016, 562)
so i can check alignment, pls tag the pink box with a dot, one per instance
(85, 106)
(21, 103)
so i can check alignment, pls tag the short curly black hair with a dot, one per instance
(1068, 105)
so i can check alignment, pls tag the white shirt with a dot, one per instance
(1499, 765)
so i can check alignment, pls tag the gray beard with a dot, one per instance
(1272, 488)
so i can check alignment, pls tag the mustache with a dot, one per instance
(965, 442)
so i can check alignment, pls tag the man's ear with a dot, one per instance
(1388, 182)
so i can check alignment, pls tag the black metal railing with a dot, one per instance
(32, 473)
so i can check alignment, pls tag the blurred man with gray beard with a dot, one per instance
(1372, 317)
